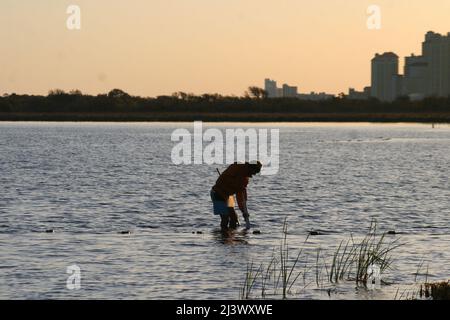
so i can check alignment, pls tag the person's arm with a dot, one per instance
(242, 203)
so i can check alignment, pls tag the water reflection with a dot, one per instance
(231, 236)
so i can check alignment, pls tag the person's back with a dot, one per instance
(233, 180)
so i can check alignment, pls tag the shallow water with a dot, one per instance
(90, 181)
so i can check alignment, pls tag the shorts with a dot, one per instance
(220, 205)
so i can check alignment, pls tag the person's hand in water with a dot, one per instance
(246, 218)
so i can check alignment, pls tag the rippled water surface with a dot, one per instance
(90, 181)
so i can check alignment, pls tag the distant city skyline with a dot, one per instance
(288, 91)
(425, 75)
(157, 47)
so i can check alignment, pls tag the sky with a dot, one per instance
(157, 47)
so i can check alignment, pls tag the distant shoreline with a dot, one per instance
(226, 117)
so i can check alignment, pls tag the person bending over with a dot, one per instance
(233, 181)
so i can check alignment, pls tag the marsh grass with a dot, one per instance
(279, 276)
(435, 291)
(287, 269)
(422, 290)
(351, 261)
(251, 276)
(426, 291)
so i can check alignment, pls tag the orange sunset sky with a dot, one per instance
(156, 47)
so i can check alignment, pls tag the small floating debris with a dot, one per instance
(392, 232)
(256, 231)
(315, 233)
(125, 232)
(199, 232)
(49, 231)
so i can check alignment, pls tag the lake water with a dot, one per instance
(90, 181)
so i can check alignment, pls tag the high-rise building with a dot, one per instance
(415, 79)
(279, 92)
(289, 91)
(398, 86)
(436, 52)
(385, 80)
(271, 88)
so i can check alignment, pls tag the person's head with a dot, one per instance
(254, 168)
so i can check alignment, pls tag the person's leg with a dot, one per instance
(233, 218)
(220, 208)
(233, 215)
(225, 218)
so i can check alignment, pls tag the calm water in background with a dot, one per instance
(90, 181)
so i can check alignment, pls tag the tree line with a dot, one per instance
(254, 100)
